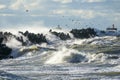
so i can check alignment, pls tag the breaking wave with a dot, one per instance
(59, 54)
(95, 49)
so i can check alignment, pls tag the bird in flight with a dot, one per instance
(27, 10)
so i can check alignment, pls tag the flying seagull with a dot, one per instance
(27, 10)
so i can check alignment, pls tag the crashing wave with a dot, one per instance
(63, 46)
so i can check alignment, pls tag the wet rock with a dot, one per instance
(4, 36)
(61, 35)
(4, 51)
(83, 33)
(35, 38)
(1, 40)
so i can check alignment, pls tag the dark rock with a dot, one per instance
(4, 36)
(1, 40)
(20, 39)
(4, 51)
(34, 38)
(61, 35)
(11, 57)
(103, 32)
(83, 33)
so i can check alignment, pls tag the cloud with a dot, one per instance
(32, 5)
(63, 1)
(22, 4)
(91, 1)
(85, 14)
(14, 11)
(59, 12)
(16, 5)
(2, 6)
(4, 14)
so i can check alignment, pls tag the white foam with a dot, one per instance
(57, 57)
(13, 43)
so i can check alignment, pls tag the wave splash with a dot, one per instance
(95, 49)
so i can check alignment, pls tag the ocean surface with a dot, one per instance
(95, 58)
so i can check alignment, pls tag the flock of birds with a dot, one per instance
(75, 22)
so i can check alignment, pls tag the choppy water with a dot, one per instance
(87, 59)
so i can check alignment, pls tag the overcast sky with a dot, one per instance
(66, 13)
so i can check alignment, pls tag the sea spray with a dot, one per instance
(66, 55)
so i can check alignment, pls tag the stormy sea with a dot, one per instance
(58, 54)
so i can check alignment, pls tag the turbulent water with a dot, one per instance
(75, 59)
